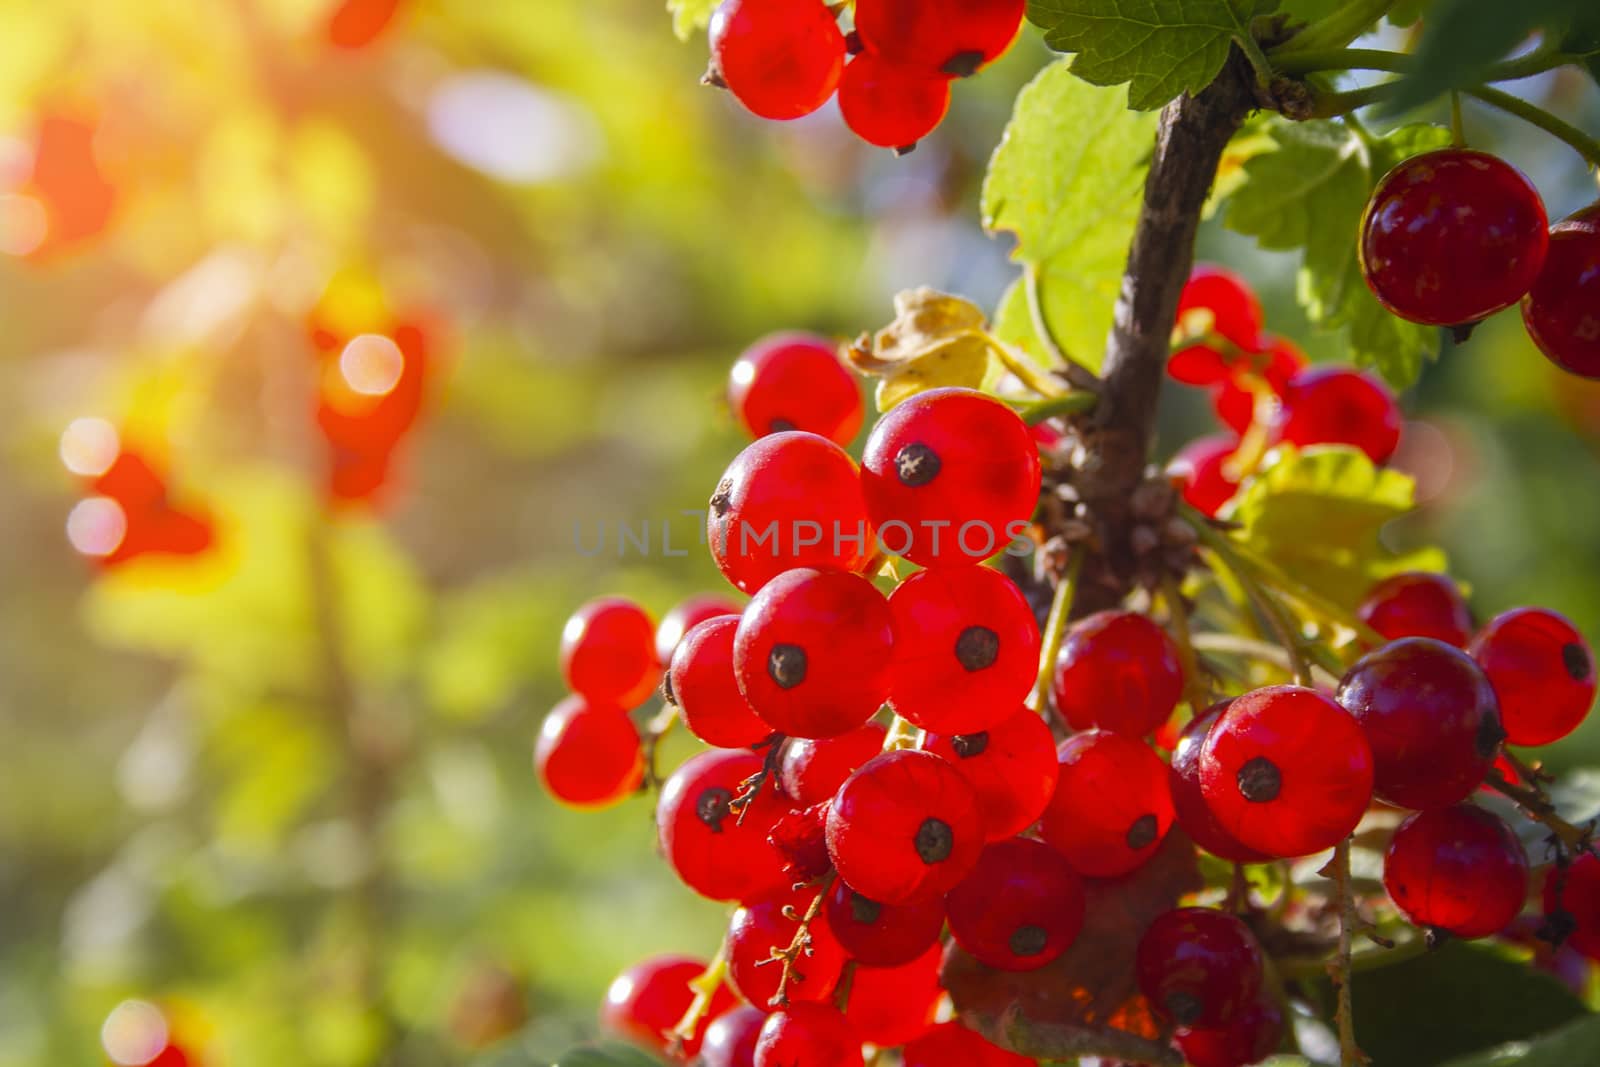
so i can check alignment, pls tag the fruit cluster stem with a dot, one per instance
(1532, 800)
(1350, 1054)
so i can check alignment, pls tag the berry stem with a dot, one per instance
(654, 731)
(1276, 617)
(1458, 128)
(1580, 142)
(1259, 62)
(789, 958)
(1334, 105)
(1196, 678)
(1055, 630)
(1235, 645)
(1080, 376)
(1537, 806)
(705, 987)
(1546, 57)
(1350, 1054)
(1337, 29)
(1077, 402)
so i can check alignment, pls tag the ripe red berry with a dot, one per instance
(1542, 672)
(891, 105)
(1216, 300)
(589, 755)
(1339, 406)
(1418, 604)
(889, 1006)
(1117, 671)
(1198, 967)
(966, 649)
(789, 500)
(645, 1002)
(811, 771)
(608, 652)
(1253, 1035)
(1237, 401)
(730, 1040)
(813, 652)
(1452, 236)
(951, 476)
(1286, 771)
(808, 1035)
(757, 929)
(950, 37)
(1201, 470)
(1012, 766)
(1189, 805)
(1458, 869)
(1560, 310)
(794, 381)
(1112, 805)
(882, 935)
(1572, 903)
(904, 827)
(953, 1045)
(715, 852)
(1021, 907)
(702, 685)
(685, 615)
(781, 58)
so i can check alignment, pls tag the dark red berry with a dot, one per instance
(808, 1035)
(1572, 904)
(1254, 1034)
(645, 1003)
(1193, 813)
(1201, 470)
(1452, 236)
(1112, 805)
(717, 854)
(953, 1045)
(951, 37)
(794, 381)
(904, 827)
(1012, 766)
(1418, 604)
(589, 755)
(730, 1040)
(702, 685)
(1286, 771)
(781, 58)
(1562, 310)
(1198, 967)
(1117, 671)
(1542, 672)
(1021, 907)
(883, 935)
(685, 616)
(891, 105)
(889, 1006)
(608, 652)
(951, 477)
(1339, 406)
(1216, 300)
(1459, 869)
(813, 652)
(812, 771)
(757, 929)
(966, 649)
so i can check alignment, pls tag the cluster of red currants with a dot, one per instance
(1453, 236)
(786, 58)
(136, 515)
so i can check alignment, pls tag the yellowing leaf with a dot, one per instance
(935, 340)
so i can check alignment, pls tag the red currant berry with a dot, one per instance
(1560, 310)
(788, 500)
(1286, 771)
(685, 616)
(1216, 300)
(645, 1003)
(1253, 1035)
(1253, 374)
(781, 58)
(1012, 766)
(1430, 718)
(1193, 813)
(1572, 904)
(1198, 967)
(1452, 236)
(951, 37)
(882, 935)
(1418, 604)
(1542, 672)
(608, 652)
(757, 929)
(892, 1005)
(1021, 907)
(701, 684)
(904, 827)
(794, 381)
(808, 1035)
(730, 1040)
(1117, 671)
(966, 649)
(890, 105)
(1338, 406)
(1458, 869)
(953, 1045)
(813, 652)
(717, 853)
(589, 755)
(812, 771)
(951, 476)
(1112, 805)
(1201, 470)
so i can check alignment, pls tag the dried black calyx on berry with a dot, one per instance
(968, 745)
(865, 911)
(934, 841)
(786, 665)
(977, 647)
(916, 464)
(781, 426)
(1260, 781)
(1143, 832)
(1490, 734)
(722, 498)
(713, 806)
(1575, 658)
(1028, 941)
(962, 64)
(1184, 1008)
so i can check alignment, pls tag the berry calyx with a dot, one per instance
(808, 1035)
(730, 1040)
(1572, 904)
(701, 683)
(1458, 869)
(1418, 604)
(890, 105)
(1021, 907)
(1198, 967)
(794, 381)
(889, 1006)
(1542, 671)
(608, 652)
(811, 771)
(954, 38)
(882, 935)
(718, 852)
(781, 58)
(1339, 406)
(685, 616)
(1254, 1034)
(1189, 805)
(1117, 671)
(589, 755)
(1560, 310)
(1112, 805)
(1201, 470)
(757, 929)
(953, 1045)
(645, 1003)
(1012, 767)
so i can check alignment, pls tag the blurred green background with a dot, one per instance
(283, 789)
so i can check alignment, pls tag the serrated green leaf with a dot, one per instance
(1577, 1042)
(605, 1056)
(1162, 49)
(1067, 180)
(690, 15)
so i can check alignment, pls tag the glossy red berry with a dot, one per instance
(1339, 406)
(589, 755)
(685, 615)
(953, 1045)
(811, 771)
(966, 649)
(1459, 869)
(608, 652)
(1201, 470)
(883, 935)
(891, 105)
(950, 37)
(1253, 1035)
(730, 1040)
(1198, 967)
(789, 500)
(1117, 671)
(1452, 236)
(1418, 604)
(904, 827)
(1021, 907)
(813, 652)
(808, 1035)
(701, 684)
(1562, 310)
(715, 852)
(781, 58)
(1216, 300)
(1542, 671)
(1112, 805)
(889, 1006)
(951, 477)
(1572, 903)
(1189, 805)
(1430, 718)
(1286, 771)
(757, 929)
(1012, 766)
(794, 381)
(645, 1003)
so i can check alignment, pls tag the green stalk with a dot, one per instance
(1580, 142)
(1337, 29)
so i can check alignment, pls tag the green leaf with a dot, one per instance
(1067, 180)
(1164, 49)
(1308, 195)
(1408, 12)
(605, 1056)
(1577, 1042)
(690, 15)
(1308, 10)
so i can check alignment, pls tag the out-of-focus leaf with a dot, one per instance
(605, 1056)
(1575, 1043)
(935, 340)
(690, 15)
(1407, 12)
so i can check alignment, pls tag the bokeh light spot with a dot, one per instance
(24, 224)
(96, 528)
(372, 364)
(134, 1033)
(89, 446)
